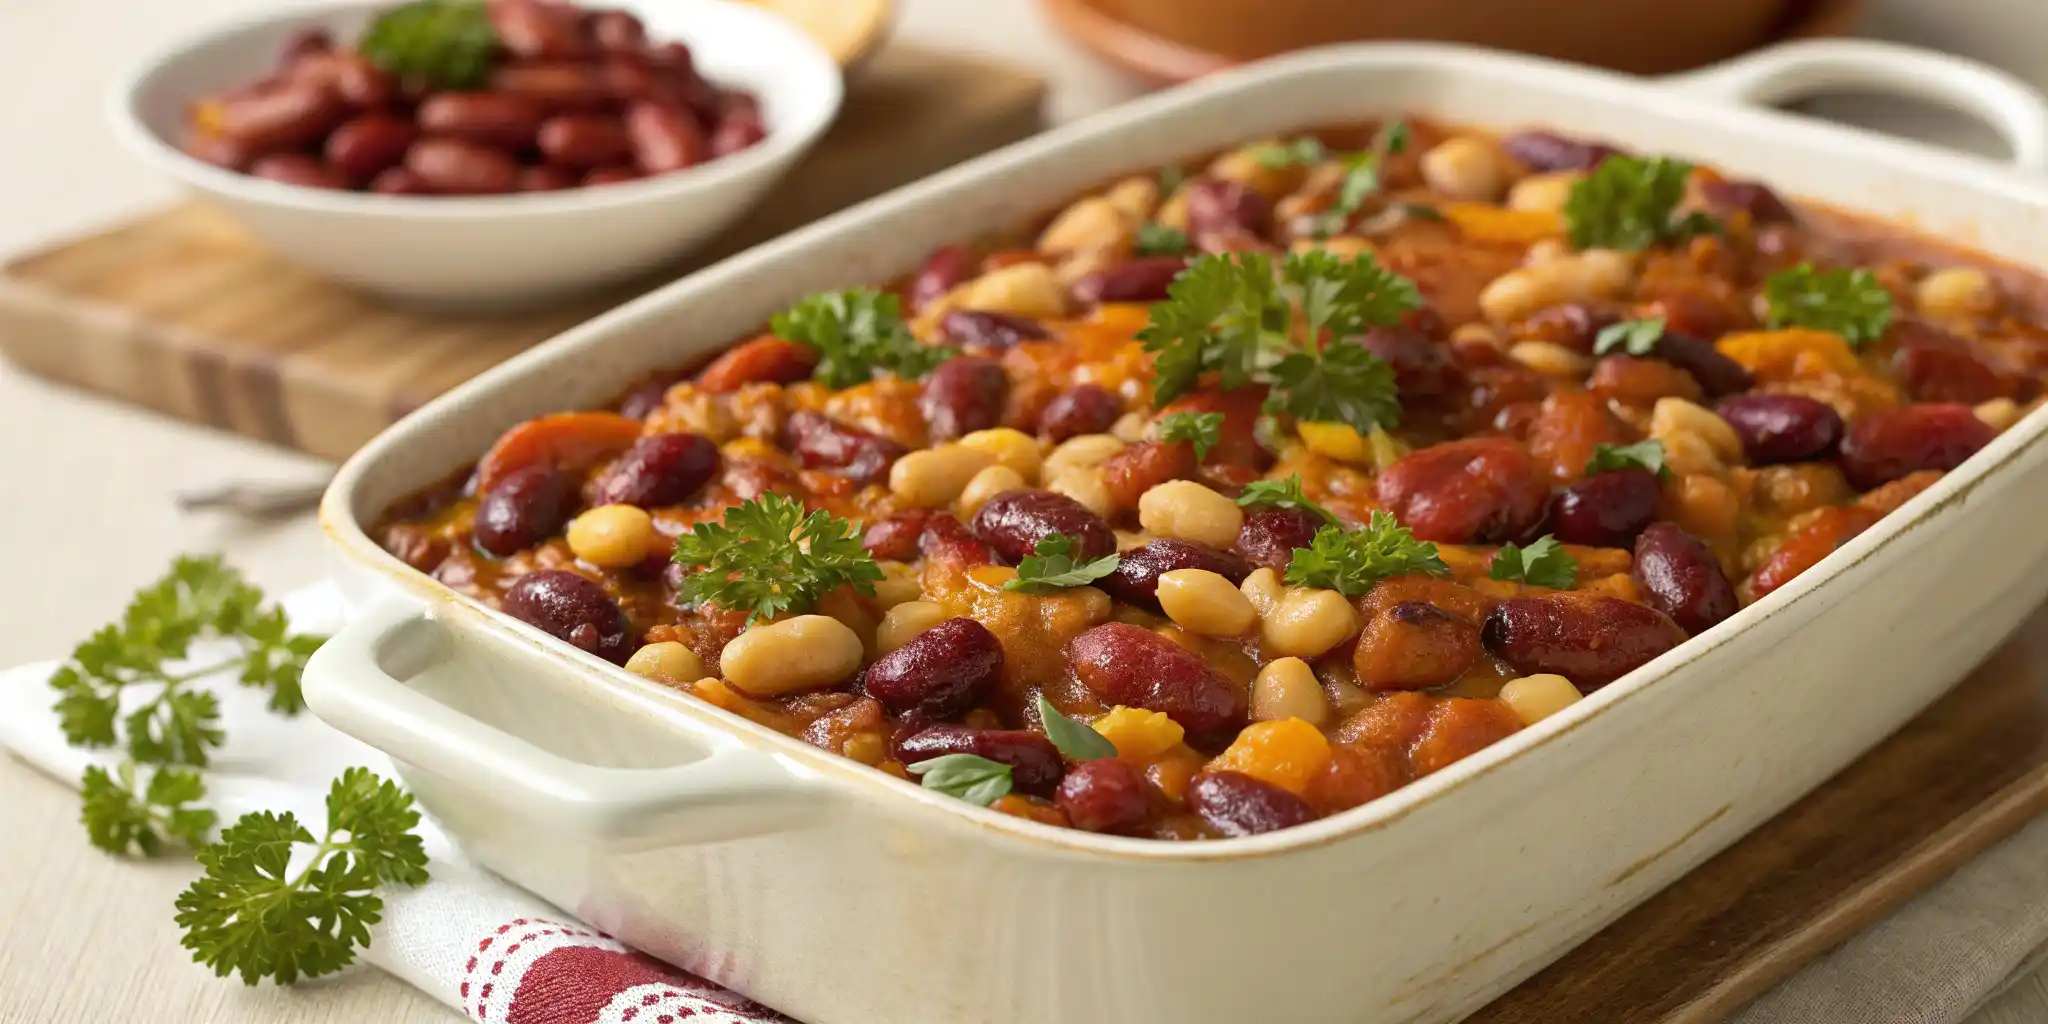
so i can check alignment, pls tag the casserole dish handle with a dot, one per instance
(1796, 70)
(353, 683)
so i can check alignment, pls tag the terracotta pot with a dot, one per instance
(1181, 39)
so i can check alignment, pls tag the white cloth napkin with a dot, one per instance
(499, 954)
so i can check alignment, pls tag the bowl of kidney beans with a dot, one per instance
(485, 151)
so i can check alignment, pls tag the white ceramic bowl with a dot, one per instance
(493, 250)
(843, 896)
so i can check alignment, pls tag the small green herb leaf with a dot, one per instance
(855, 333)
(118, 814)
(1306, 149)
(1636, 337)
(447, 44)
(1629, 203)
(1543, 563)
(968, 777)
(1171, 178)
(1160, 240)
(1421, 211)
(1641, 455)
(1075, 739)
(1848, 302)
(1052, 567)
(1204, 430)
(769, 557)
(1285, 493)
(1351, 561)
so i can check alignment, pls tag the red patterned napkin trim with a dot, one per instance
(537, 971)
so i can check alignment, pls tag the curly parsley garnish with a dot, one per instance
(1351, 561)
(448, 44)
(1285, 493)
(968, 777)
(1052, 567)
(1631, 203)
(1204, 430)
(769, 557)
(1075, 739)
(1844, 301)
(250, 914)
(855, 333)
(1641, 455)
(1636, 337)
(1160, 240)
(1543, 563)
(1227, 314)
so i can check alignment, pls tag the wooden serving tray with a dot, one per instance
(181, 312)
(1969, 771)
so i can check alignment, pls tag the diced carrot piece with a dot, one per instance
(1786, 354)
(1139, 735)
(1484, 223)
(569, 441)
(1289, 753)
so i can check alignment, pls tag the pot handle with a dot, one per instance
(731, 792)
(1792, 70)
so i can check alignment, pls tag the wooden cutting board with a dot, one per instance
(181, 312)
(1969, 771)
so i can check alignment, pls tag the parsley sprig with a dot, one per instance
(1351, 561)
(1544, 563)
(1229, 314)
(770, 557)
(1635, 337)
(251, 915)
(1204, 430)
(447, 44)
(1052, 566)
(1845, 301)
(1641, 455)
(1285, 493)
(855, 333)
(1631, 203)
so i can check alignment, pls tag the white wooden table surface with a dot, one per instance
(85, 489)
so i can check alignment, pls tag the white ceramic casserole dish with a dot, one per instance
(843, 896)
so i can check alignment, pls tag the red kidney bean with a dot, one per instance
(627, 76)
(1891, 443)
(1136, 579)
(1681, 578)
(455, 167)
(1270, 535)
(618, 30)
(1414, 645)
(583, 141)
(1139, 280)
(940, 672)
(287, 117)
(1013, 522)
(540, 30)
(398, 181)
(1423, 369)
(1547, 151)
(574, 609)
(1591, 639)
(1081, 409)
(299, 169)
(1606, 510)
(945, 539)
(304, 42)
(1476, 490)
(496, 119)
(1939, 366)
(1238, 805)
(1135, 667)
(546, 178)
(1716, 374)
(1034, 762)
(362, 85)
(660, 470)
(765, 359)
(1140, 467)
(555, 86)
(642, 399)
(662, 139)
(735, 132)
(368, 145)
(965, 394)
(1782, 428)
(940, 273)
(894, 537)
(1219, 204)
(218, 150)
(611, 176)
(820, 442)
(1762, 204)
(524, 508)
(1104, 795)
(975, 328)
